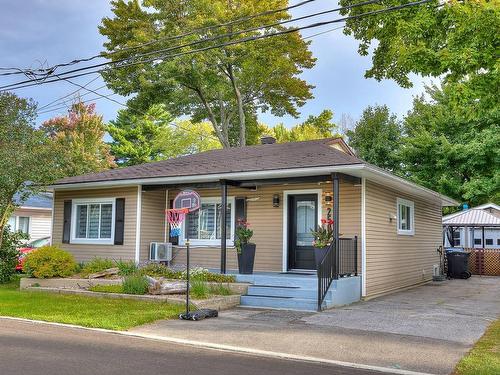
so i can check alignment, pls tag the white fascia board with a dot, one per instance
(358, 170)
(388, 179)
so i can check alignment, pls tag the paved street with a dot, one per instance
(426, 329)
(27, 348)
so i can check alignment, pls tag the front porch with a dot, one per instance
(282, 212)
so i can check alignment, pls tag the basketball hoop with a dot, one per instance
(175, 217)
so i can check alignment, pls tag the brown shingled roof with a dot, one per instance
(304, 154)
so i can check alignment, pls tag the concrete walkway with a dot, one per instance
(426, 329)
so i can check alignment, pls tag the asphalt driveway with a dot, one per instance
(426, 329)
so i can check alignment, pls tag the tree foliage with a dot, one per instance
(27, 157)
(154, 135)
(452, 144)
(315, 127)
(454, 40)
(224, 86)
(376, 137)
(79, 139)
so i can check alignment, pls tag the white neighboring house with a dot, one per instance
(34, 216)
(477, 227)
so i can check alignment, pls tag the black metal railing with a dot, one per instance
(339, 261)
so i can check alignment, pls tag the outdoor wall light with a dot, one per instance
(276, 200)
(392, 217)
(328, 198)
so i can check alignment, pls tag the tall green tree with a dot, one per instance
(136, 136)
(28, 159)
(377, 137)
(154, 135)
(223, 85)
(79, 138)
(454, 40)
(452, 144)
(315, 127)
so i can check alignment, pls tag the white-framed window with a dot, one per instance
(456, 237)
(20, 224)
(405, 217)
(93, 221)
(203, 227)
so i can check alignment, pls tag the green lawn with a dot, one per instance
(85, 311)
(484, 358)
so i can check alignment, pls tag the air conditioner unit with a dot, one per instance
(160, 251)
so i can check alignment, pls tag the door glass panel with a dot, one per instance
(306, 222)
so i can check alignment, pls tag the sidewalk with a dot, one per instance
(426, 329)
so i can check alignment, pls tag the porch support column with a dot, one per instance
(336, 215)
(223, 193)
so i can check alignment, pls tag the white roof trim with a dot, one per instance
(359, 170)
(487, 205)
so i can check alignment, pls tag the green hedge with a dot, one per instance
(49, 261)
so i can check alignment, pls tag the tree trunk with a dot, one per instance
(239, 101)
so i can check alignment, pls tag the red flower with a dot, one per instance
(323, 221)
(330, 222)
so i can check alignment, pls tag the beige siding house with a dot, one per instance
(33, 217)
(387, 229)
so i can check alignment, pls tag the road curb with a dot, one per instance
(228, 348)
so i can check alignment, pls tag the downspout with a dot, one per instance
(223, 190)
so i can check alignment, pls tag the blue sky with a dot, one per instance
(54, 31)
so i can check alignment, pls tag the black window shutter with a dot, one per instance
(241, 209)
(67, 222)
(120, 220)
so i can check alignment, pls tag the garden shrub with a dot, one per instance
(201, 289)
(49, 261)
(126, 267)
(97, 265)
(9, 254)
(199, 273)
(135, 284)
(159, 270)
(198, 289)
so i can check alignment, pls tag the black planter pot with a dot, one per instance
(319, 254)
(246, 259)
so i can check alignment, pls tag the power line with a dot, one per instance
(65, 96)
(230, 43)
(108, 97)
(175, 37)
(204, 40)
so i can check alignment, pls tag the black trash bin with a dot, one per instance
(458, 264)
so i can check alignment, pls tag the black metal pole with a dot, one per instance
(187, 274)
(223, 187)
(336, 212)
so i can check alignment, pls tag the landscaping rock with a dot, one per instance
(162, 287)
(108, 272)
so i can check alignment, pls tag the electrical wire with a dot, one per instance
(205, 40)
(175, 37)
(230, 43)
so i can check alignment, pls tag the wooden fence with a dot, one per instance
(484, 261)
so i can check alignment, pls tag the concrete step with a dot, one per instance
(280, 291)
(288, 303)
(308, 282)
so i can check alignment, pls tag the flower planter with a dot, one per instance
(319, 254)
(246, 259)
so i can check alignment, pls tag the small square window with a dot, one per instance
(405, 217)
(477, 241)
(498, 241)
(489, 241)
